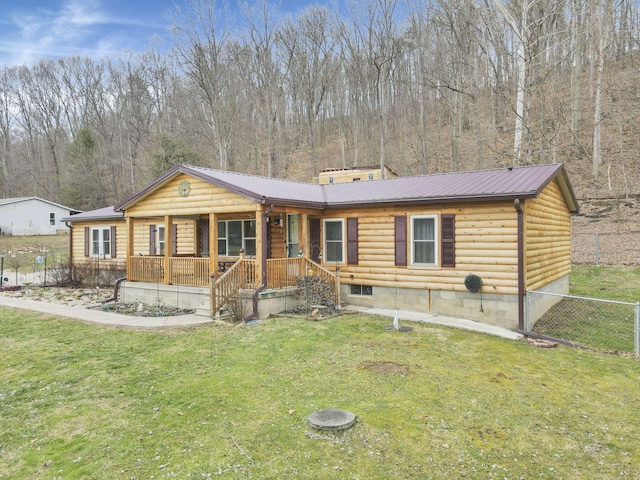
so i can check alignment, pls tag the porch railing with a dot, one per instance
(146, 269)
(189, 271)
(182, 270)
(241, 275)
(282, 272)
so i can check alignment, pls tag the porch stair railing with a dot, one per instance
(241, 275)
(281, 272)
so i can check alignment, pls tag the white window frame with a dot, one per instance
(434, 241)
(161, 239)
(325, 242)
(98, 244)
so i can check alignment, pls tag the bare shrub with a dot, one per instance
(84, 275)
(239, 306)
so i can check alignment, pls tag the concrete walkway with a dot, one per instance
(103, 316)
(440, 320)
(117, 319)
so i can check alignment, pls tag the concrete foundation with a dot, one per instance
(490, 308)
(181, 296)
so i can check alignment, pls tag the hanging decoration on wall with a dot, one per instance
(474, 284)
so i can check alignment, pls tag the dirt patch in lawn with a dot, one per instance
(385, 367)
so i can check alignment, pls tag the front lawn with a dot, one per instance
(86, 401)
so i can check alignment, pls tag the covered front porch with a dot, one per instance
(251, 254)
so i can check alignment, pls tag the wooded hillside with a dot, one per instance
(420, 87)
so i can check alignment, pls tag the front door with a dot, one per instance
(293, 232)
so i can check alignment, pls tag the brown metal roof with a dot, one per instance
(481, 185)
(106, 213)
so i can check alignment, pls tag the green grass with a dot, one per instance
(86, 401)
(600, 325)
(611, 283)
(20, 253)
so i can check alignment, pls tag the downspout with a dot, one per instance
(518, 208)
(116, 289)
(263, 261)
(70, 244)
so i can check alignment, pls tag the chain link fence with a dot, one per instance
(603, 325)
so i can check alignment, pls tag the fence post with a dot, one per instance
(636, 331)
(527, 321)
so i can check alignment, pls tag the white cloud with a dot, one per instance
(71, 27)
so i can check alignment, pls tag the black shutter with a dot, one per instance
(174, 239)
(400, 236)
(352, 241)
(87, 241)
(203, 240)
(113, 242)
(152, 239)
(448, 241)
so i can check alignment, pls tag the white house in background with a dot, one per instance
(32, 216)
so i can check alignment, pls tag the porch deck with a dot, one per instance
(243, 274)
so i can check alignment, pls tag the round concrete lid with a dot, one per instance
(331, 419)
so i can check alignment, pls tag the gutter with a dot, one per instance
(518, 207)
(263, 262)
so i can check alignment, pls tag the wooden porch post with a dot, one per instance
(168, 247)
(261, 245)
(213, 245)
(213, 259)
(130, 251)
(304, 235)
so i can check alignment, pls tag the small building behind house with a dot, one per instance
(354, 174)
(32, 216)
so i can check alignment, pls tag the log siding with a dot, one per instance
(80, 245)
(485, 244)
(547, 238)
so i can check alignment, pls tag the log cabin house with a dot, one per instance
(465, 244)
(98, 236)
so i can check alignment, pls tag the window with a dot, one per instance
(160, 240)
(101, 242)
(52, 219)
(330, 179)
(235, 235)
(333, 241)
(423, 240)
(371, 176)
(361, 290)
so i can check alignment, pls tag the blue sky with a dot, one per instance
(31, 30)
